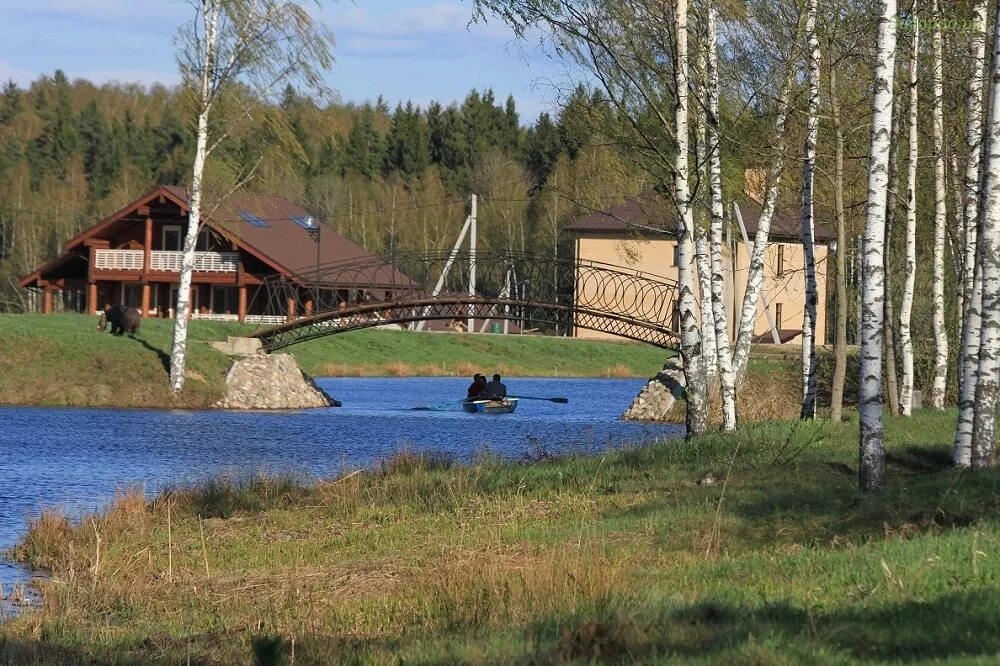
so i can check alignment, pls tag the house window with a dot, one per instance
(207, 241)
(777, 315)
(676, 254)
(781, 259)
(172, 239)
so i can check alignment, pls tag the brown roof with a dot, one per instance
(284, 243)
(279, 241)
(649, 213)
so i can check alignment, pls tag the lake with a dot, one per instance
(76, 458)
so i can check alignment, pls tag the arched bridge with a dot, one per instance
(513, 292)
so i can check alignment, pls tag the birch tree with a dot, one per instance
(755, 273)
(727, 377)
(255, 45)
(697, 417)
(701, 231)
(888, 317)
(910, 261)
(940, 221)
(808, 230)
(840, 217)
(636, 52)
(972, 273)
(871, 467)
(984, 413)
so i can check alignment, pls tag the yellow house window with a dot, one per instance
(777, 315)
(781, 259)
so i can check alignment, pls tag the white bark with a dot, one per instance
(910, 269)
(808, 230)
(755, 273)
(178, 352)
(725, 360)
(697, 417)
(709, 353)
(871, 467)
(984, 413)
(972, 276)
(708, 344)
(940, 222)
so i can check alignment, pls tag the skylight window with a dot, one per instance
(307, 222)
(253, 220)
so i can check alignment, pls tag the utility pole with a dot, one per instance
(472, 263)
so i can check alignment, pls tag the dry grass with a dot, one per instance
(619, 371)
(574, 560)
(770, 392)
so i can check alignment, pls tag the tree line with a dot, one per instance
(392, 179)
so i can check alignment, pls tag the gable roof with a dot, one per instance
(649, 213)
(280, 242)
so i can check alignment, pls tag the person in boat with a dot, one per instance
(477, 387)
(495, 390)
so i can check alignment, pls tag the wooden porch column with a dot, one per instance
(309, 307)
(47, 301)
(242, 312)
(147, 248)
(290, 315)
(145, 299)
(91, 297)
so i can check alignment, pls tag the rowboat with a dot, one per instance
(505, 406)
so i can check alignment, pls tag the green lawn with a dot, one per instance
(614, 558)
(62, 360)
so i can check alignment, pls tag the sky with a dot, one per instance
(419, 50)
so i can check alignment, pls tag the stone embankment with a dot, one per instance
(272, 381)
(659, 395)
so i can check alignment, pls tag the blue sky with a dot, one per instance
(402, 49)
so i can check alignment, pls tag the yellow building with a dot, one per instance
(638, 234)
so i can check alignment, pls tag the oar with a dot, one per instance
(438, 406)
(561, 401)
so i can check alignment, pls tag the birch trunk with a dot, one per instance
(697, 416)
(178, 352)
(940, 220)
(972, 275)
(755, 273)
(871, 464)
(840, 342)
(725, 360)
(958, 253)
(709, 353)
(808, 232)
(984, 412)
(910, 269)
(708, 350)
(888, 317)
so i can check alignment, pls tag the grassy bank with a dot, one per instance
(62, 360)
(620, 557)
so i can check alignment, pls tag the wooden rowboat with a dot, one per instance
(505, 406)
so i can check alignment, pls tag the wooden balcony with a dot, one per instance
(165, 261)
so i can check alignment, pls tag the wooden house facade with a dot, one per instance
(134, 258)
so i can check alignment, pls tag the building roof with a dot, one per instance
(265, 227)
(265, 224)
(649, 213)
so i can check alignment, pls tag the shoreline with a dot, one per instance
(572, 558)
(60, 360)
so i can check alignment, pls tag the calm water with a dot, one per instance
(77, 458)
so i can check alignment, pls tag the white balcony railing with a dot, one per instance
(119, 260)
(166, 261)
